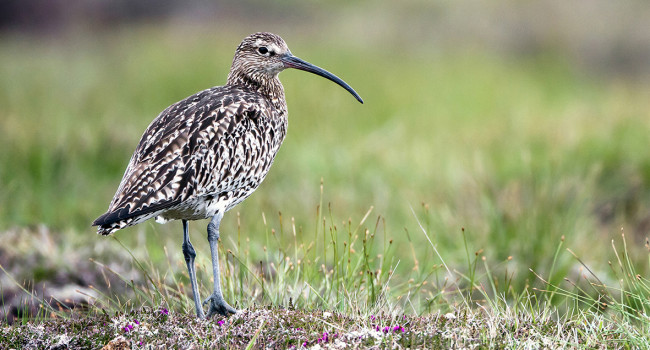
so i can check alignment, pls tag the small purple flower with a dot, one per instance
(325, 338)
(385, 330)
(377, 328)
(372, 317)
(304, 344)
(221, 322)
(136, 322)
(139, 343)
(164, 311)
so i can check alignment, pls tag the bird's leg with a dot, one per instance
(190, 254)
(216, 302)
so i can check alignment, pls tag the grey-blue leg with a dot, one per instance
(190, 254)
(216, 302)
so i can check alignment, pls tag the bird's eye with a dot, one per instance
(263, 50)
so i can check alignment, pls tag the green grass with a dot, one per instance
(295, 301)
(503, 164)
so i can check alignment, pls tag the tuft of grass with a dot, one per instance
(625, 304)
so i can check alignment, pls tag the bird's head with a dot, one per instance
(262, 56)
(259, 56)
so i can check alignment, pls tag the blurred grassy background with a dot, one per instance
(522, 123)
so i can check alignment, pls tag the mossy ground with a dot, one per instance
(281, 328)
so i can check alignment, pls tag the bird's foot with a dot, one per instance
(218, 306)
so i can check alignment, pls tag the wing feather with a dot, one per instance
(171, 163)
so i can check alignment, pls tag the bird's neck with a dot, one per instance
(270, 88)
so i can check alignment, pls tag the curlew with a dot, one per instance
(205, 154)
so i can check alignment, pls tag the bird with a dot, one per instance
(205, 154)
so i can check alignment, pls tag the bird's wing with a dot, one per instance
(162, 171)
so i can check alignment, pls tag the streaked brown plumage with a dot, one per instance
(205, 154)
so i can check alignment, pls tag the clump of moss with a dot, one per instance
(278, 328)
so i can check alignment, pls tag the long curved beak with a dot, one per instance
(291, 61)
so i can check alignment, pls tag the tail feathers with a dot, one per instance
(123, 217)
(104, 231)
(106, 226)
(107, 229)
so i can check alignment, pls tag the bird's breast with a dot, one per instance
(229, 168)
